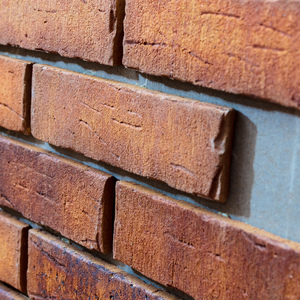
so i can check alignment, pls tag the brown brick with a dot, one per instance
(13, 251)
(243, 47)
(201, 253)
(88, 29)
(71, 198)
(15, 85)
(64, 272)
(9, 294)
(184, 143)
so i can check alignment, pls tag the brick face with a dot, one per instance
(179, 145)
(185, 143)
(73, 199)
(13, 251)
(9, 294)
(242, 47)
(15, 85)
(203, 254)
(57, 270)
(88, 29)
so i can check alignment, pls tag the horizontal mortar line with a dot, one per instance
(126, 75)
(123, 75)
(119, 173)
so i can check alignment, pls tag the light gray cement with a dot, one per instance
(265, 172)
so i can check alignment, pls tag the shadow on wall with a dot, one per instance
(245, 138)
(242, 172)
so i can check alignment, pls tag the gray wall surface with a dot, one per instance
(265, 170)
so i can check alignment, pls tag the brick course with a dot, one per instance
(185, 143)
(70, 198)
(201, 253)
(88, 29)
(15, 85)
(13, 251)
(8, 294)
(242, 47)
(58, 270)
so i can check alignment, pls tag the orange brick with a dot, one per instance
(15, 85)
(243, 47)
(185, 143)
(13, 251)
(60, 271)
(201, 253)
(9, 294)
(75, 200)
(88, 29)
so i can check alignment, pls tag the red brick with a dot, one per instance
(88, 29)
(9, 294)
(60, 271)
(13, 251)
(243, 47)
(73, 199)
(185, 143)
(15, 85)
(201, 253)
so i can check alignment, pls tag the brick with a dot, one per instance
(86, 29)
(15, 86)
(243, 47)
(13, 251)
(8, 294)
(75, 200)
(184, 143)
(60, 271)
(201, 253)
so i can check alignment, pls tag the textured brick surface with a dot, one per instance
(59, 271)
(15, 85)
(88, 29)
(247, 47)
(201, 253)
(13, 251)
(9, 294)
(184, 143)
(73, 199)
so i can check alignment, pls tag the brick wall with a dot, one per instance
(116, 182)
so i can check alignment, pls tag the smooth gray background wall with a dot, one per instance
(265, 172)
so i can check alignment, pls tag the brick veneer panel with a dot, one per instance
(61, 271)
(203, 254)
(13, 251)
(15, 85)
(73, 199)
(245, 47)
(8, 294)
(184, 143)
(88, 29)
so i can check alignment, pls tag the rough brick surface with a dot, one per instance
(15, 85)
(88, 29)
(201, 253)
(13, 251)
(73, 199)
(246, 47)
(185, 143)
(9, 294)
(60, 271)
